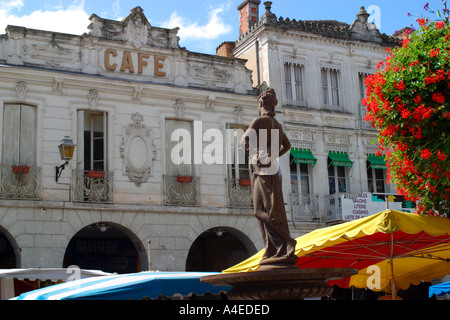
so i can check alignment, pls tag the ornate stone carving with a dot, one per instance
(210, 102)
(58, 84)
(134, 29)
(238, 114)
(21, 90)
(137, 150)
(179, 108)
(93, 99)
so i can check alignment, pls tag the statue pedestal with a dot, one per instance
(270, 283)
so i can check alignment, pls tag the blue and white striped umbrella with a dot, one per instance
(134, 286)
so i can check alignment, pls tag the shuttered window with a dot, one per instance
(179, 130)
(19, 135)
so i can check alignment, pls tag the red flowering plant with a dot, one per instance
(408, 102)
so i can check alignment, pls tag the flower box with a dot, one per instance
(245, 183)
(95, 174)
(184, 179)
(20, 169)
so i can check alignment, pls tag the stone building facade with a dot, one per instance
(318, 68)
(121, 204)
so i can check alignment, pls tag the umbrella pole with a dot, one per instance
(391, 262)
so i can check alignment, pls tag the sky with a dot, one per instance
(205, 24)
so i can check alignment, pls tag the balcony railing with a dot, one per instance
(181, 191)
(20, 182)
(305, 207)
(239, 193)
(93, 186)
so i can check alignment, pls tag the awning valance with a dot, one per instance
(340, 159)
(376, 162)
(303, 156)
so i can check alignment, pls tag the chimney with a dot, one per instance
(248, 15)
(225, 49)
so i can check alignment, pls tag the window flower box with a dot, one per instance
(95, 174)
(20, 169)
(184, 179)
(244, 183)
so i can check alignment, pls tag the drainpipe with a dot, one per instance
(258, 75)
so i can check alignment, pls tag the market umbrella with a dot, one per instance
(402, 248)
(133, 286)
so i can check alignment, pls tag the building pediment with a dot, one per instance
(134, 29)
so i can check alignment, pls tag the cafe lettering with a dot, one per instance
(134, 62)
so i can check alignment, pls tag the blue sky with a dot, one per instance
(204, 24)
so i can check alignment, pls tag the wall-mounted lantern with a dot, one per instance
(66, 149)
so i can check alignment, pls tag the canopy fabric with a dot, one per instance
(303, 156)
(53, 274)
(376, 162)
(133, 286)
(420, 247)
(340, 159)
(439, 289)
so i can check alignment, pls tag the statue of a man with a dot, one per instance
(265, 142)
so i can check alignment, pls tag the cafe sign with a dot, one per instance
(130, 62)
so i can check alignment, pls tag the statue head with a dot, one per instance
(267, 101)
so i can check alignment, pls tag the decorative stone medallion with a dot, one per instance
(137, 150)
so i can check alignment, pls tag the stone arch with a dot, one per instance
(9, 249)
(204, 254)
(109, 245)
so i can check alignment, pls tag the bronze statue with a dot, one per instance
(265, 142)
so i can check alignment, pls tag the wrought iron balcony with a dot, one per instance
(239, 193)
(181, 191)
(305, 207)
(20, 182)
(93, 186)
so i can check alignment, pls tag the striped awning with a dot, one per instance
(132, 286)
(303, 156)
(340, 159)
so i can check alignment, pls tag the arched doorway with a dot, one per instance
(219, 248)
(7, 254)
(103, 246)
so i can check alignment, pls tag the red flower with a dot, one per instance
(399, 85)
(441, 156)
(434, 52)
(440, 24)
(418, 99)
(425, 154)
(439, 98)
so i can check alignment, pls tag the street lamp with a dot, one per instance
(66, 149)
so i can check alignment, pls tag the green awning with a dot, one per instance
(303, 156)
(340, 159)
(376, 162)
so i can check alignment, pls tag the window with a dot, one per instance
(293, 79)
(181, 149)
(336, 178)
(376, 179)
(238, 178)
(330, 87)
(362, 94)
(93, 128)
(93, 181)
(19, 177)
(300, 177)
(181, 186)
(19, 135)
(238, 161)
